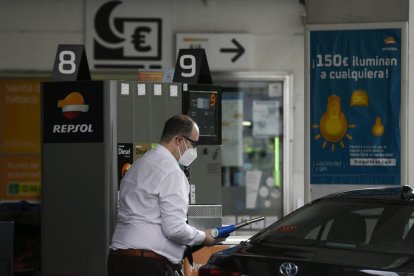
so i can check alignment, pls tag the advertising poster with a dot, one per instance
(20, 177)
(355, 94)
(232, 130)
(266, 119)
(20, 116)
(19, 140)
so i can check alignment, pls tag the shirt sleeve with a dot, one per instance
(173, 199)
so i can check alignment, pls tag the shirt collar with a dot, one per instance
(164, 151)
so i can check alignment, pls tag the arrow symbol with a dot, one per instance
(239, 50)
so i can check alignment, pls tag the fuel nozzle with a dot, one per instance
(224, 231)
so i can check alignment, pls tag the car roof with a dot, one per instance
(390, 193)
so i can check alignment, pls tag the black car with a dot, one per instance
(360, 232)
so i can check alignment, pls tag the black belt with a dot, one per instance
(148, 254)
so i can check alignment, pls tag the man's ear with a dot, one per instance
(177, 140)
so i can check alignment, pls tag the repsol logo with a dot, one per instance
(70, 128)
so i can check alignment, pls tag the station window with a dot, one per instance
(252, 148)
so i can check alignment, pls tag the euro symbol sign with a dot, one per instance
(138, 39)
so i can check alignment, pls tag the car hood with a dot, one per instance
(269, 260)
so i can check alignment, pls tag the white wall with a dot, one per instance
(31, 30)
(356, 11)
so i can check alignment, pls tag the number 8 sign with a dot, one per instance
(192, 67)
(70, 64)
(67, 58)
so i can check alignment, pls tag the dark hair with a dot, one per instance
(177, 125)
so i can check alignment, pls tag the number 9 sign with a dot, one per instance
(192, 67)
(189, 68)
(70, 64)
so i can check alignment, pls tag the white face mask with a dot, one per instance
(188, 156)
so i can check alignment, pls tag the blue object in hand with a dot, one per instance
(224, 231)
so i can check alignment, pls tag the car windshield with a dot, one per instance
(368, 225)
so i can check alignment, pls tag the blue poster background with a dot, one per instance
(355, 92)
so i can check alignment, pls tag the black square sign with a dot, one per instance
(72, 112)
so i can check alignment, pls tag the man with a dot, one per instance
(151, 232)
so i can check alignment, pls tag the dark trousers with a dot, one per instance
(121, 265)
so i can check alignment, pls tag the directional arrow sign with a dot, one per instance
(225, 51)
(239, 50)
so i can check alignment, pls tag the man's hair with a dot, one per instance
(177, 125)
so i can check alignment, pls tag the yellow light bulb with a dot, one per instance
(333, 124)
(378, 127)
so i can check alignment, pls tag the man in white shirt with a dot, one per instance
(151, 232)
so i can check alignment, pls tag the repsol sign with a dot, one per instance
(84, 128)
(72, 112)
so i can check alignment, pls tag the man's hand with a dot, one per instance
(209, 240)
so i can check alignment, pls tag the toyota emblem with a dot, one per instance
(288, 269)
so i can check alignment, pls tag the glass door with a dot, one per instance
(253, 146)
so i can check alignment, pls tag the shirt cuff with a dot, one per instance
(201, 237)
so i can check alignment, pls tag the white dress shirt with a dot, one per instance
(153, 205)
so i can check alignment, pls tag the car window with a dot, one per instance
(349, 224)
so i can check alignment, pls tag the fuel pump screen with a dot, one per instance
(202, 110)
(204, 107)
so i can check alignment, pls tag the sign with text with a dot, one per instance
(125, 159)
(226, 51)
(72, 112)
(70, 63)
(20, 177)
(129, 34)
(192, 67)
(355, 92)
(20, 116)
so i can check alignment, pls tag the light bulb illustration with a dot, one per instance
(333, 124)
(359, 97)
(378, 127)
